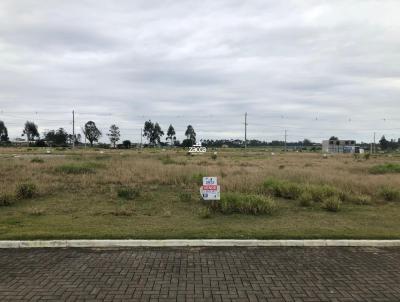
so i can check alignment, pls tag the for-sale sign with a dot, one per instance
(210, 190)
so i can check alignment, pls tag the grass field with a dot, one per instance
(155, 194)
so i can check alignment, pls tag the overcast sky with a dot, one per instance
(315, 68)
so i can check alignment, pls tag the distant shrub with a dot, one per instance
(37, 160)
(246, 204)
(205, 213)
(385, 168)
(332, 204)
(389, 194)
(79, 168)
(185, 196)
(367, 156)
(26, 190)
(305, 199)
(6, 199)
(214, 156)
(40, 143)
(128, 193)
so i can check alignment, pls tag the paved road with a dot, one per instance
(201, 274)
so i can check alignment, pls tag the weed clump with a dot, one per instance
(205, 213)
(284, 189)
(214, 156)
(185, 196)
(198, 178)
(332, 204)
(128, 193)
(321, 193)
(360, 199)
(389, 194)
(246, 204)
(6, 199)
(305, 199)
(26, 190)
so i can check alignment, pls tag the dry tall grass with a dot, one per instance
(237, 171)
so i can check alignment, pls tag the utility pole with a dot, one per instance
(370, 148)
(374, 143)
(73, 129)
(285, 140)
(141, 138)
(245, 131)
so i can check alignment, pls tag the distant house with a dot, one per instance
(339, 146)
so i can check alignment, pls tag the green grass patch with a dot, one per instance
(245, 204)
(385, 168)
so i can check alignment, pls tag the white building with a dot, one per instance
(339, 146)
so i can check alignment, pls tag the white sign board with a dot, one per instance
(210, 190)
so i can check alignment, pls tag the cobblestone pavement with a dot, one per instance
(201, 274)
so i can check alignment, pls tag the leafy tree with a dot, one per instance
(57, 137)
(307, 142)
(92, 133)
(384, 143)
(171, 134)
(114, 134)
(31, 131)
(127, 144)
(3, 132)
(152, 132)
(190, 135)
(334, 138)
(157, 133)
(148, 130)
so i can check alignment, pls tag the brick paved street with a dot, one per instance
(201, 274)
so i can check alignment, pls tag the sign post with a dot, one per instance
(210, 190)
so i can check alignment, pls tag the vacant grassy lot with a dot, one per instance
(155, 194)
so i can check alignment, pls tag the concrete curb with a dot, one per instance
(193, 243)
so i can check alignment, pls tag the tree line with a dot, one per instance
(60, 137)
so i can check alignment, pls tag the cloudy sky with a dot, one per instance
(315, 68)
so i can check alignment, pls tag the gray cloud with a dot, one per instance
(316, 68)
